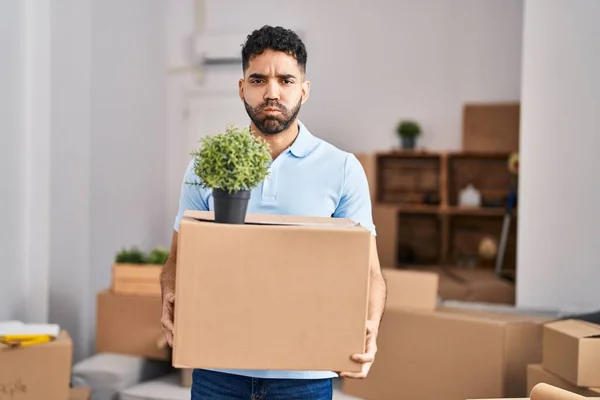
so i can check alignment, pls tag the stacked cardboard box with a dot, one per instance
(40, 371)
(571, 358)
(429, 352)
(128, 315)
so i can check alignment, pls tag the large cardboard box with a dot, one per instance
(537, 374)
(572, 351)
(37, 372)
(450, 353)
(275, 293)
(130, 324)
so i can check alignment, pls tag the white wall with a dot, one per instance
(128, 157)
(559, 222)
(24, 165)
(12, 96)
(373, 64)
(108, 147)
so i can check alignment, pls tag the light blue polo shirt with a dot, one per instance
(311, 178)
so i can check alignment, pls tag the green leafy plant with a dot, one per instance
(232, 161)
(131, 256)
(408, 129)
(158, 255)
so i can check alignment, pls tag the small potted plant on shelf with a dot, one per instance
(408, 132)
(231, 164)
(135, 272)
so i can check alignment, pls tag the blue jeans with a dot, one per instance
(211, 385)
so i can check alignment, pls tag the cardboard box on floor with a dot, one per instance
(544, 391)
(473, 285)
(80, 393)
(537, 374)
(572, 351)
(130, 324)
(446, 353)
(41, 371)
(279, 293)
(186, 377)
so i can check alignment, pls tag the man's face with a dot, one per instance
(273, 89)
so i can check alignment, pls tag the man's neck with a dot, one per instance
(281, 141)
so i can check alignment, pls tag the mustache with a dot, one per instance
(272, 104)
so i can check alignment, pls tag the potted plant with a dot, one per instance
(135, 272)
(231, 164)
(408, 132)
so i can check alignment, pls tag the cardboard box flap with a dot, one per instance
(274, 219)
(576, 328)
(494, 316)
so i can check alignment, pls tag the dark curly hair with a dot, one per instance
(277, 39)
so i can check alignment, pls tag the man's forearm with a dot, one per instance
(167, 276)
(377, 296)
(378, 289)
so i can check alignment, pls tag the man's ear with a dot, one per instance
(241, 88)
(305, 91)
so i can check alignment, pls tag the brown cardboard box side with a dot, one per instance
(474, 285)
(411, 289)
(368, 161)
(301, 302)
(572, 351)
(186, 377)
(450, 354)
(80, 393)
(134, 279)
(492, 127)
(130, 324)
(37, 372)
(385, 219)
(537, 374)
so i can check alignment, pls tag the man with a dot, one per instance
(308, 176)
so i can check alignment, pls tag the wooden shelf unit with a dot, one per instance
(423, 189)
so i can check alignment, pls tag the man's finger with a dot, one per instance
(170, 297)
(168, 325)
(353, 375)
(364, 358)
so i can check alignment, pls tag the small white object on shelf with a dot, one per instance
(469, 197)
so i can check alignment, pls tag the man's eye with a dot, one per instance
(287, 81)
(257, 81)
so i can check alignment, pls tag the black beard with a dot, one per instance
(272, 124)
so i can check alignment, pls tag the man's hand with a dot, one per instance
(167, 319)
(368, 357)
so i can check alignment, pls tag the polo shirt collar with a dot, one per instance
(305, 142)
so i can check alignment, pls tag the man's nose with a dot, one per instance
(272, 92)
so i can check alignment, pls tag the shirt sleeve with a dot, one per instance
(355, 200)
(191, 195)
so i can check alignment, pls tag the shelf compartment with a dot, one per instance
(409, 178)
(466, 233)
(488, 173)
(419, 239)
